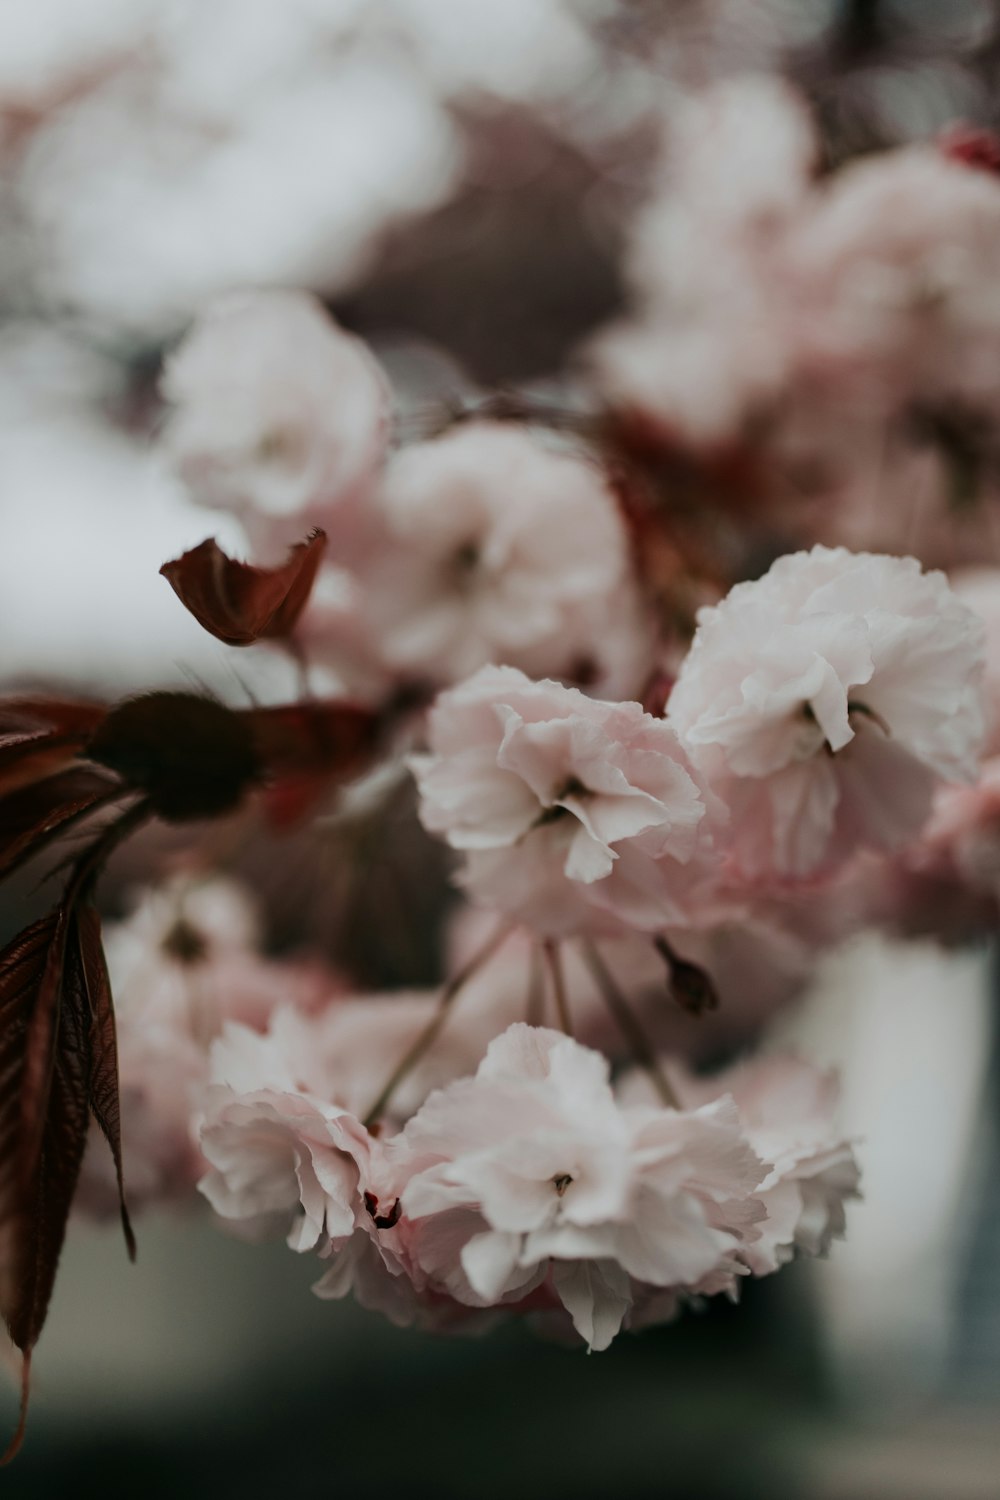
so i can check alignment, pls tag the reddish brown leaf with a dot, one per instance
(104, 1098)
(238, 603)
(46, 1082)
(40, 736)
(55, 1017)
(36, 716)
(30, 991)
(35, 815)
(48, 1196)
(43, 1083)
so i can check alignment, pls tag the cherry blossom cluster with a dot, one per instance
(674, 679)
(529, 1185)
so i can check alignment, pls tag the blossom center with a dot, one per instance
(463, 565)
(855, 710)
(561, 1183)
(185, 943)
(570, 788)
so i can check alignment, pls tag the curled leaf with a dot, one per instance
(103, 1094)
(239, 603)
(44, 1082)
(58, 1064)
(38, 813)
(41, 736)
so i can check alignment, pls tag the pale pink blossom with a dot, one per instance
(979, 590)
(282, 1163)
(348, 1050)
(543, 1175)
(286, 1157)
(569, 810)
(275, 410)
(788, 1109)
(712, 343)
(499, 547)
(788, 1115)
(182, 965)
(895, 272)
(964, 833)
(825, 701)
(947, 883)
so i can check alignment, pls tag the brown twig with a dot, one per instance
(630, 1025)
(431, 1031)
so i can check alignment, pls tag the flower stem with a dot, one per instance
(432, 1030)
(553, 957)
(536, 989)
(629, 1024)
(86, 867)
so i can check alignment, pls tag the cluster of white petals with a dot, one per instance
(282, 1159)
(274, 410)
(711, 347)
(825, 701)
(184, 964)
(788, 1113)
(649, 656)
(529, 1186)
(570, 811)
(501, 548)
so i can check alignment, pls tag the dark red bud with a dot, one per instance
(192, 757)
(689, 984)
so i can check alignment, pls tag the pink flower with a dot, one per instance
(824, 702)
(712, 343)
(979, 590)
(184, 963)
(895, 272)
(788, 1110)
(276, 411)
(501, 548)
(565, 807)
(542, 1174)
(787, 1114)
(280, 1163)
(282, 1158)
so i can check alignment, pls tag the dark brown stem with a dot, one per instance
(432, 1030)
(553, 958)
(502, 406)
(629, 1024)
(297, 651)
(87, 866)
(536, 989)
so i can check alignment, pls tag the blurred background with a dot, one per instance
(455, 179)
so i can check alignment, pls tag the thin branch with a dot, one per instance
(536, 989)
(553, 958)
(432, 1030)
(631, 1027)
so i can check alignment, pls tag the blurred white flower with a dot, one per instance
(824, 701)
(276, 411)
